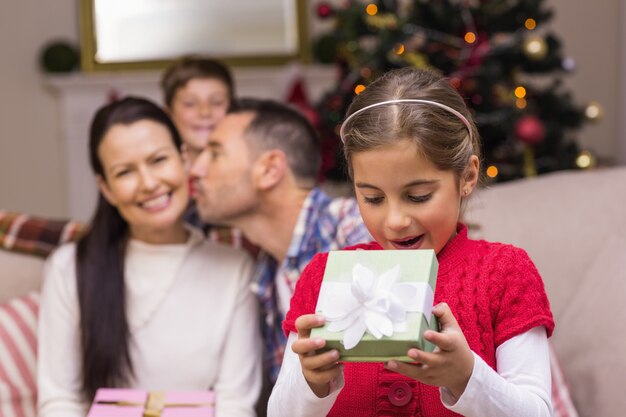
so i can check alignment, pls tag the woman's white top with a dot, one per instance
(193, 321)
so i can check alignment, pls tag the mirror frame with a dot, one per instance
(88, 43)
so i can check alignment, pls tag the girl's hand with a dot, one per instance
(450, 365)
(318, 369)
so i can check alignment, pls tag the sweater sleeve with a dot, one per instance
(239, 379)
(58, 363)
(521, 386)
(520, 301)
(292, 396)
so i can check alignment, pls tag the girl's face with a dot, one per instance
(144, 178)
(195, 109)
(405, 201)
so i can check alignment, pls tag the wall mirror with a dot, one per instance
(148, 34)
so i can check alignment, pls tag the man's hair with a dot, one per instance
(192, 67)
(278, 126)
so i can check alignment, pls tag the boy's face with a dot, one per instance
(195, 109)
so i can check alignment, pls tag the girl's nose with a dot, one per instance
(397, 219)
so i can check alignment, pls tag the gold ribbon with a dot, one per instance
(155, 404)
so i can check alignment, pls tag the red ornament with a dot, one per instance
(324, 10)
(530, 130)
(298, 97)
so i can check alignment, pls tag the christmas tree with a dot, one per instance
(493, 52)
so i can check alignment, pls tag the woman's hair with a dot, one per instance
(440, 135)
(193, 67)
(104, 330)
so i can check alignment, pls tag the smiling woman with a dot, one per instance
(144, 179)
(128, 294)
(145, 33)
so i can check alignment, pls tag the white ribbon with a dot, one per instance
(376, 304)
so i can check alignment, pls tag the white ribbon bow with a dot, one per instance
(376, 304)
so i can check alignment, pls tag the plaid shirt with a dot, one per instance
(324, 224)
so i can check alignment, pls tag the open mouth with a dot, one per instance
(410, 243)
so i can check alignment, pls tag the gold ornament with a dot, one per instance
(415, 59)
(382, 21)
(535, 48)
(585, 160)
(594, 111)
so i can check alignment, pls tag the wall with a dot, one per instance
(591, 34)
(31, 167)
(32, 163)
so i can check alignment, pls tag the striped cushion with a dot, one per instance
(562, 404)
(18, 349)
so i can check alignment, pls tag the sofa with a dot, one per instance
(571, 223)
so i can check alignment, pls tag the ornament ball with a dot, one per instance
(535, 48)
(324, 10)
(530, 130)
(594, 111)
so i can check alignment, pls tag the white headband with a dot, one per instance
(406, 100)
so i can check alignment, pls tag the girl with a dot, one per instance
(413, 154)
(141, 300)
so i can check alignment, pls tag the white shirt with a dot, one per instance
(521, 386)
(193, 323)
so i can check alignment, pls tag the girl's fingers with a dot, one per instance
(320, 362)
(323, 376)
(307, 346)
(444, 341)
(305, 323)
(447, 320)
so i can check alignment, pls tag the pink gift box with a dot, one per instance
(120, 402)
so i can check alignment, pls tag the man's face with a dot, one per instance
(222, 173)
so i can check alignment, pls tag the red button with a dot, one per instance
(400, 393)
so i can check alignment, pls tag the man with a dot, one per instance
(258, 174)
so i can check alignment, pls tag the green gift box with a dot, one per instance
(377, 304)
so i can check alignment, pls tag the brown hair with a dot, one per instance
(440, 136)
(192, 67)
(279, 126)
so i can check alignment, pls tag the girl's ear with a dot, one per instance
(269, 169)
(470, 176)
(105, 190)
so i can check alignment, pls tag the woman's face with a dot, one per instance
(144, 178)
(195, 109)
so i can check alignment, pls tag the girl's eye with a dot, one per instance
(420, 198)
(373, 200)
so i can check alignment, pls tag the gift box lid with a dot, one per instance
(125, 402)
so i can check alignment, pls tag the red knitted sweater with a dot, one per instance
(493, 290)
